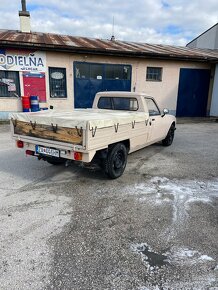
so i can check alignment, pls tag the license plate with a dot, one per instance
(47, 151)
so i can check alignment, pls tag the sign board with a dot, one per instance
(18, 60)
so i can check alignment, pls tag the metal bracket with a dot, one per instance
(93, 131)
(33, 125)
(14, 122)
(79, 131)
(146, 122)
(54, 128)
(133, 124)
(116, 127)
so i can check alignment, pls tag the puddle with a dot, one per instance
(153, 259)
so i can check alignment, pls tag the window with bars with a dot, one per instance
(9, 84)
(154, 74)
(57, 82)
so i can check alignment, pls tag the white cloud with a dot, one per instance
(167, 21)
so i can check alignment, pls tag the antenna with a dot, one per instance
(113, 37)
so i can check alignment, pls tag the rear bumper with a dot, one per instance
(66, 150)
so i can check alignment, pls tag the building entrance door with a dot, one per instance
(193, 92)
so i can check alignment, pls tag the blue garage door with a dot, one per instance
(90, 78)
(193, 92)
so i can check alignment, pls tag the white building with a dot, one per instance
(209, 40)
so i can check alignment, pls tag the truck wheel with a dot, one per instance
(55, 161)
(170, 136)
(115, 163)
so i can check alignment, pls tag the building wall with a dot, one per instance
(214, 101)
(165, 92)
(209, 39)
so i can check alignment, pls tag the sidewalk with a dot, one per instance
(186, 120)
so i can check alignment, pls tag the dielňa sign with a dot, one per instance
(18, 61)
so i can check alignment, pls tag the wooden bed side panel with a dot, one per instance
(68, 135)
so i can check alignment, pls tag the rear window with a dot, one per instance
(117, 103)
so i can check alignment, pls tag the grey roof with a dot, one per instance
(67, 43)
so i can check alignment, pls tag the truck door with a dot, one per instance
(155, 123)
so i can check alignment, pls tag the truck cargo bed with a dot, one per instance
(81, 118)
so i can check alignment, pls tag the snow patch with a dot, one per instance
(180, 194)
(187, 256)
(206, 258)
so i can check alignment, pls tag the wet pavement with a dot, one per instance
(72, 228)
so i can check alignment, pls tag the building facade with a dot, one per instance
(66, 72)
(209, 40)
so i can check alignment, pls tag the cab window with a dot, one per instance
(105, 103)
(118, 103)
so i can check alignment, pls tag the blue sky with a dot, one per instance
(161, 21)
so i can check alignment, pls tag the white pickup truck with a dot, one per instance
(118, 124)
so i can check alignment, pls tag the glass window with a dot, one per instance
(57, 82)
(117, 103)
(9, 84)
(117, 72)
(126, 72)
(154, 74)
(109, 71)
(96, 71)
(127, 104)
(105, 103)
(82, 71)
(152, 107)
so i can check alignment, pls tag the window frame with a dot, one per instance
(105, 67)
(17, 93)
(158, 114)
(149, 75)
(56, 69)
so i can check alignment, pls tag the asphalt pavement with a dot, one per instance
(154, 228)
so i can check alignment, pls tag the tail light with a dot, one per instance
(78, 156)
(20, 144)
(30, 152)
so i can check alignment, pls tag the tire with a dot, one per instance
(55, 161)
(170, 136)
(115, 162)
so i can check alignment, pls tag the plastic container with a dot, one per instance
(34, 102)
(26, 103)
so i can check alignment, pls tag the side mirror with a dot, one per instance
(165, 111)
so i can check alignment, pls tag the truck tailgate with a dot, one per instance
(49, 132)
